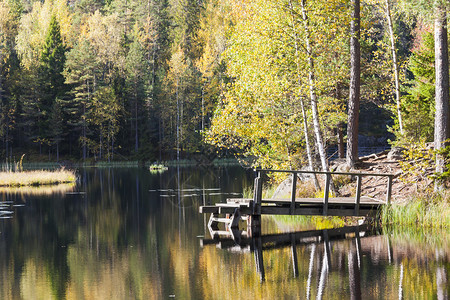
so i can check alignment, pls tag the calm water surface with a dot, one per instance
(129, 234)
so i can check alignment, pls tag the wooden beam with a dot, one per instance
(358, 194)
(322, 172)
(257, 195)
(293, 192)
(208, 209)
(389, 190)
(326, 194)
(314, 211)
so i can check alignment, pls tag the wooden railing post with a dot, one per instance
(389, 190)
(257, 195)
(358, 194)
(293, 192)
(326, 194)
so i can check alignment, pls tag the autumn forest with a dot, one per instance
(267, 80)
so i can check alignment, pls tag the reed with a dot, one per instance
(35, 178)
(426, 209)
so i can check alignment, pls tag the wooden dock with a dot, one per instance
(235, 209)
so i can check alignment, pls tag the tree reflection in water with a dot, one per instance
(356, 243)
(129, 234)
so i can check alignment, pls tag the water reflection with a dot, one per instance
(357, 262)
(113, 238)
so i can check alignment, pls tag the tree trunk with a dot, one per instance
(308, 147)
(441, 122)
(355, 82)
(395, 65)
(340, 136)
(136, 133)
(339, 129)
(178, 123)
(302, 106)
(312, 92)
(101, 143)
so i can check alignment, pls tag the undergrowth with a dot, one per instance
(426, 209)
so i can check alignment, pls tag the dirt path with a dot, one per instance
(376, 186)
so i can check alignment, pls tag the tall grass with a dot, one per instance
(35, 178)
(426, 209)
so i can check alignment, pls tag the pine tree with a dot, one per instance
(418, 105)
(51, 79)
(80, 73)
(136, 65)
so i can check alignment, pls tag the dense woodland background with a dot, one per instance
(118, 79)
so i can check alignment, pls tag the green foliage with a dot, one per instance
(270, 76)
(51, 81)
(417, 159)
(425, 209)
(418, 105)
(104, 115)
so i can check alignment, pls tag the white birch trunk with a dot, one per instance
(395, 64)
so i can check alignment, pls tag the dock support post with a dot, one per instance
(293, 192)
(257, 195)
(255, 218)
(326, 194)
(358, 194)
(389, 190)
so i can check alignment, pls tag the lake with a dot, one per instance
(131, 234)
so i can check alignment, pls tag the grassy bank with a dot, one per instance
(35, 178)
(426, 209)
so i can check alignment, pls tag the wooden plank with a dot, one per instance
(230, 210)
(239, 200)
(322, 172)
(208, 209)
(340, 200)
(348, 200)
(221, 220)
(311, 211)
(231, 204)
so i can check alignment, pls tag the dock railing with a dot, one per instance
(258, 187)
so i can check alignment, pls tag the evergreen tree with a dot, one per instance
(80, 73)
(418, 105)
(136, 66)
(51, 79)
